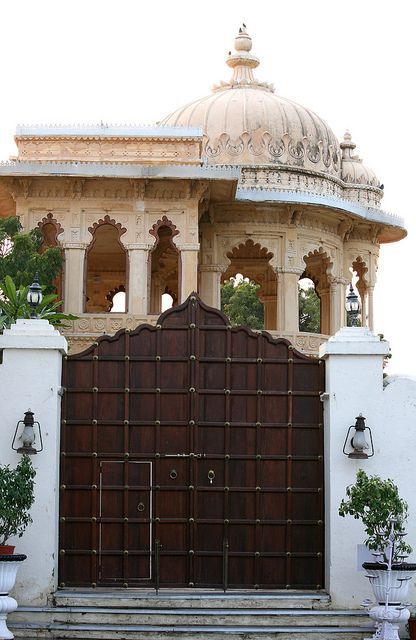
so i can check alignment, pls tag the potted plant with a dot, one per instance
(376, 502)
(16, 499)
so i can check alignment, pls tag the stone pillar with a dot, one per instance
(30, 378)
(370, 309)
(138, 279)
(210, 284)
(189, 269)
(354, 385)
(270, 311)
(74, 278)
(337, 304)
(287, 300)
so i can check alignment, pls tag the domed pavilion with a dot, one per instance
(242, 181)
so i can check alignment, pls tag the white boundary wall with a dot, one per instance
(30, 377)
(354, 385)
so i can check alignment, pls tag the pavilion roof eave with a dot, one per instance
(396, 229)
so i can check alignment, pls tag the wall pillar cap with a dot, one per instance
(354, 341)
(33, 334)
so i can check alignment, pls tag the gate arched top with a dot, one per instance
(193, 314)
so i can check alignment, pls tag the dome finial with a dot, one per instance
(347, 146)
(242, 61)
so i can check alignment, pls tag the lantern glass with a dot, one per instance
(34, 295)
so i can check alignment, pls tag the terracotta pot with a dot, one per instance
(6, 550)
(411, 625)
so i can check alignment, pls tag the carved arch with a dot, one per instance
(107, 220)
(318, 268)
(164, 263)
(47, 224)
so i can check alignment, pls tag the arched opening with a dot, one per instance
(164, 266)
(117, 300)
(309, 307)
(105, 268)
(51, 229)
(241, 303)
(317, 267)
(252, 262)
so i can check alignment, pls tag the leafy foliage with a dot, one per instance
(20, 257)
(16, 498)
(373, 501)
(309, 310)
(13, 305)
(240, 303)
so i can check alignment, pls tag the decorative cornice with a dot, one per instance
(105, 131)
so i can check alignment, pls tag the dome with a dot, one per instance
(246, 123)
(353, 171)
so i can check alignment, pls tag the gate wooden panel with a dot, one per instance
(192, 455)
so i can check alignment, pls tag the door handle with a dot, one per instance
(211, 475)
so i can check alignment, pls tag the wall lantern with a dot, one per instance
(357, 440)
(352, 306)
(34, 297)
(26, 432)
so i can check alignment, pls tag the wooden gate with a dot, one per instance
(192, 455)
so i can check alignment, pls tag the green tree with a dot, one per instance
(239, 301)
(309, 310)
(20, 258)
(14, 305)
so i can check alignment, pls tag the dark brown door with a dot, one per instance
(192, 455)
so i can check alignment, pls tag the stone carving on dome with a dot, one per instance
(262, 146)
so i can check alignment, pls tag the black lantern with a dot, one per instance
(352, 306)
(29, 434)
(34, 296)
(358, 442)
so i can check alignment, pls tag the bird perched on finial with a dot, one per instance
(245, 27)
(229, 53)
(240, 30)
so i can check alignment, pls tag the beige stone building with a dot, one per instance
(241, 181)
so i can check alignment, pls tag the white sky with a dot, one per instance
(135, 61)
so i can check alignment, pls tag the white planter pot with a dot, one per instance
(9, 566)
(400, 580)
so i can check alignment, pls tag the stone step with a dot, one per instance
(190, 616)
(192, 598)
(55, 631)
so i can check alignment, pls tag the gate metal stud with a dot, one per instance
(227, 456)
(191, 520)
(289, 424)
(157, 422)
(94, 486)
(191, 584)
(93, 585)
(94, 421)
(94, 454)
(257, 554)
(192, 325)
(289, 457)
(258, 521)
(191, 422)
(95, 389)
(258, 488)
(157, 358)
(258, 457)
(192, 389)
(62, 552)
(258, 424)
(94, 552)
(288, 488)
(62, 584)
(63, 421)
(157, 455)
(288, 554)
(192, 298)
(226, 391)
(259, 360)
(95, 344)
(289, 521)
(127, 390)
(127, 455)
(126, 519)
(157, 390)
(290, 360)
(157, 519)
(259, 391)
(158, 326)
(256, 586)
(95, 357)
(125, 585)
(126, 422)
(126, 357)
(63, 454)
(226, 521)
(290, 347)
(227, 359)
(63, 486)
(227, 424)
(126, 553)
(226, 488)
(62, 519)
(191, 552)
(191, 487)
(93, 519)
(319, 522)
(192, 358)
(289, 393)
